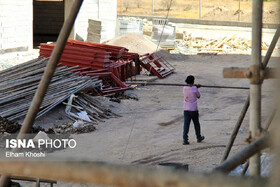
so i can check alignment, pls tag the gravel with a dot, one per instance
(11, 59)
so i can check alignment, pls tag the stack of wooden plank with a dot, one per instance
(19, 83)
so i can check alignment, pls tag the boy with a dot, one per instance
(191, 94)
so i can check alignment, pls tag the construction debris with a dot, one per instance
(8, 126)
(68, 128)
(93, 108)
(20, 82)
(231, 43)
(156, 65)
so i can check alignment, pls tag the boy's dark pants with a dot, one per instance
(188, 116)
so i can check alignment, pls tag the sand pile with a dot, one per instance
(135, 43)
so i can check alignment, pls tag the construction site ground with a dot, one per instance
(150, 129)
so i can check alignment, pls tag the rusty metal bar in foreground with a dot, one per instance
(129, 176)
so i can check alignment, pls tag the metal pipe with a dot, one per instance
(243, 155)
(174, 84)
(275, 173)
(255, 82)
(247, 102)
(236, 128)
(124, 176)
(47, 76)
(271, 46)
(51, 66)
(264, 130)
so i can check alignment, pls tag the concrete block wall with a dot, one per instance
(16, 25)
(48, 17)
(103, 10)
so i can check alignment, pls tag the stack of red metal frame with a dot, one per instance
(97, 56)
(93, 56)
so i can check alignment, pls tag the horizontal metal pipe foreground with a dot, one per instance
(176, 84)
(244, 154)
(116, 175)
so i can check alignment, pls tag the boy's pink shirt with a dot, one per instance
(190, 98)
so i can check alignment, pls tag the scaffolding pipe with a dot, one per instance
(243, 155)
(51, 66)
(255, 83)
(271, 46)
(47, 76)
(275, 173)
(124, 176)
(265, 129)
(247, 102)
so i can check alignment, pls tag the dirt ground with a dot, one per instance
(136, 138)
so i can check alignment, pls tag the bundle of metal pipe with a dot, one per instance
(19, 84)
(93, 107)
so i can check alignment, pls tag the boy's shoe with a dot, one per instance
(200, 139)
(186, 142)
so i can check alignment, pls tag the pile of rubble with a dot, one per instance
(8, 126)
(231, 43)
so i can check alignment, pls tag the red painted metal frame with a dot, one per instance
(158, 66)
(112, 86)
(96, 60)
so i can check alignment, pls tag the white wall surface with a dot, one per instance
(16, 25)
(103, 10)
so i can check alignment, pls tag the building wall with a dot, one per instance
(103, 10)
(15, 25)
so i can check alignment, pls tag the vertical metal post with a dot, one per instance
(239, 11)
(199, 9)
(255, 82)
